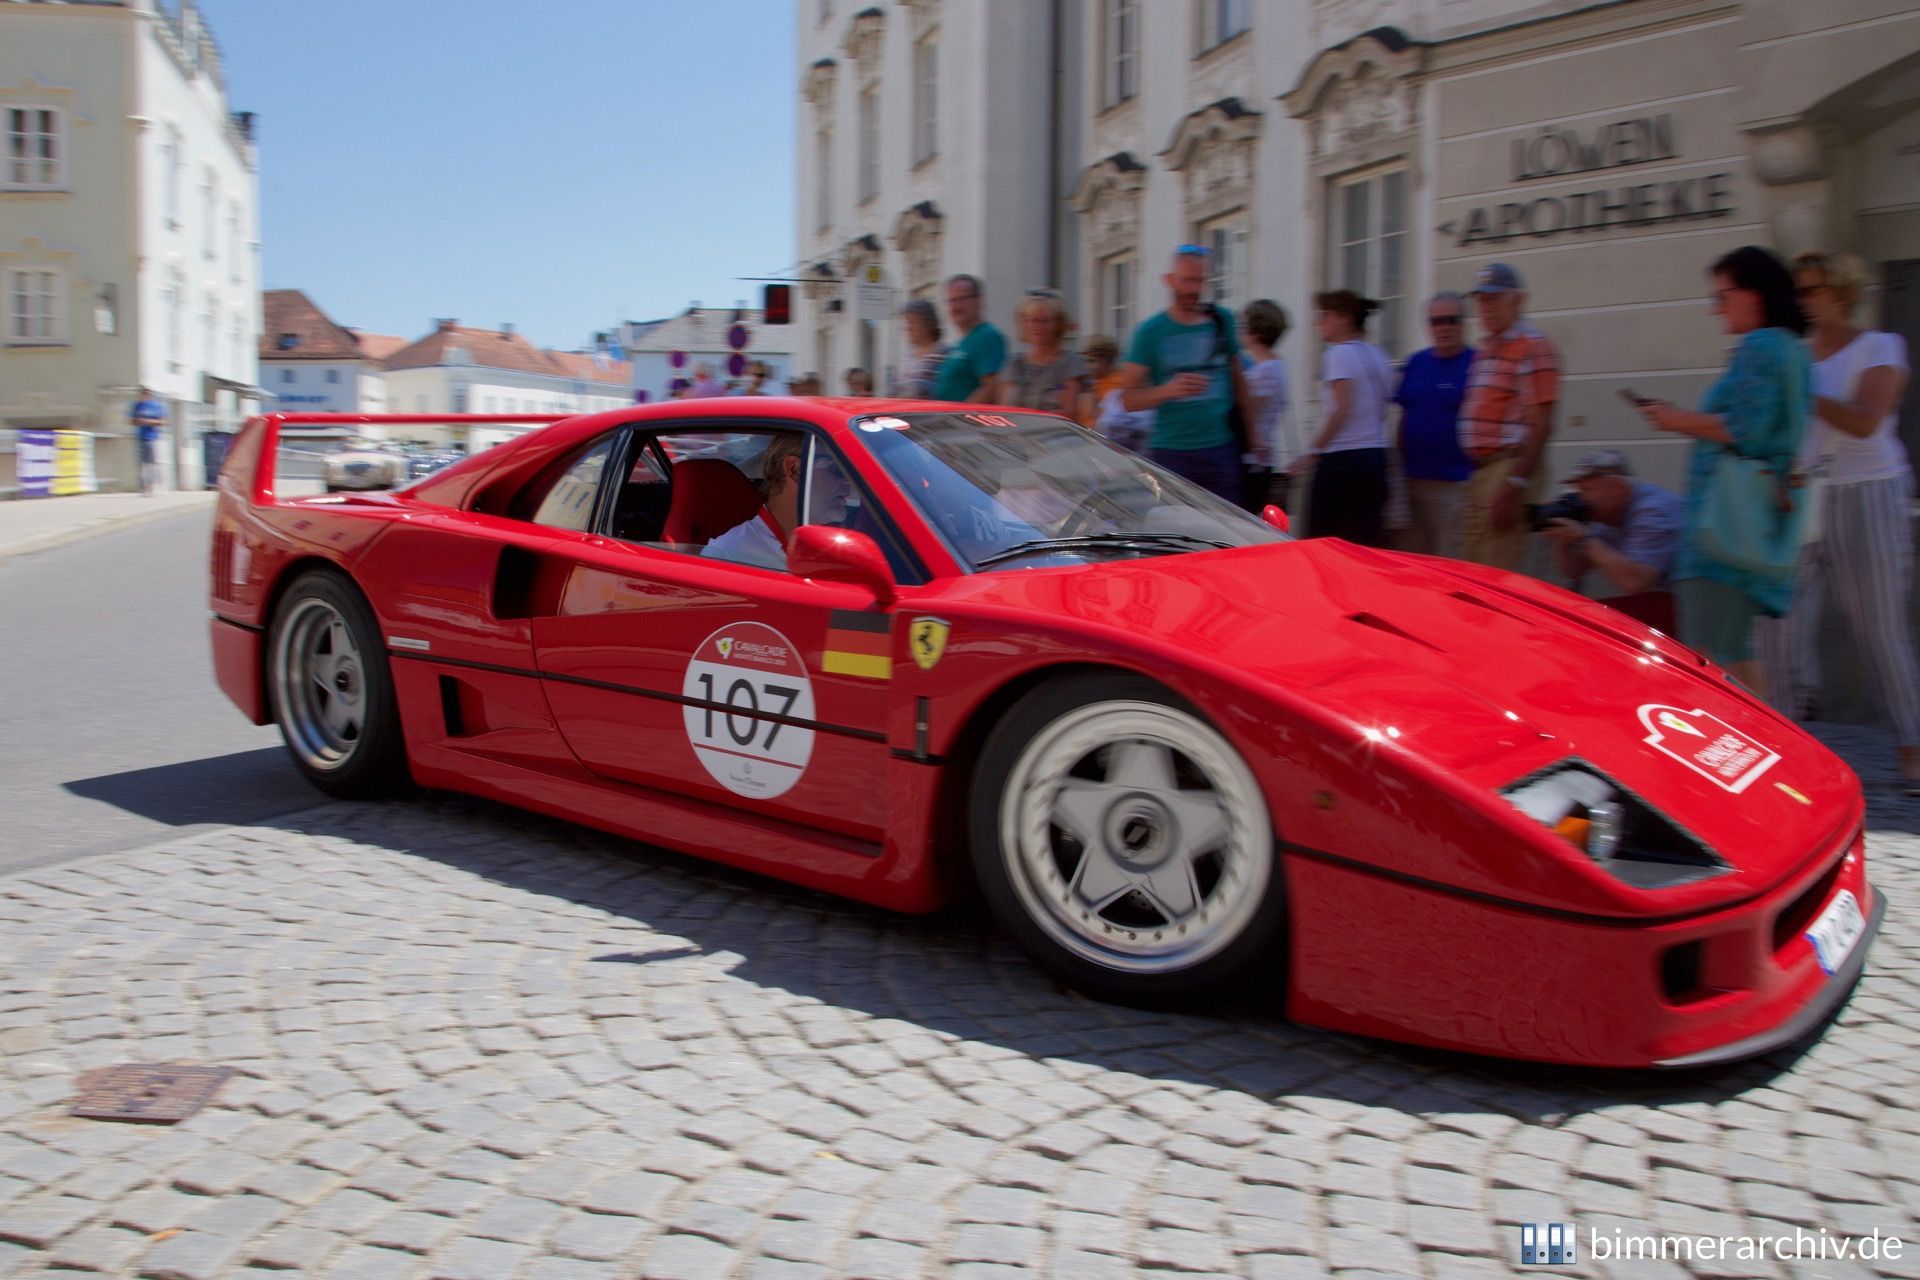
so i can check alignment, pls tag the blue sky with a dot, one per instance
(559, 166)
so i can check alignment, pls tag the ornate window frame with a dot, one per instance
(919, 234)
(1109, 197)
(1212, 150)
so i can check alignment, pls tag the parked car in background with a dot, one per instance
(366, 464)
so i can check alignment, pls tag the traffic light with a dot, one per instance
(776, 304)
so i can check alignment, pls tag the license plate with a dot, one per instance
(1837, 929)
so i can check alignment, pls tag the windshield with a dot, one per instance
(1025, 490)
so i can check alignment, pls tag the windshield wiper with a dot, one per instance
(1121, 541)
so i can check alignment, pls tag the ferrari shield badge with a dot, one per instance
(1707, 745)
(927, 638)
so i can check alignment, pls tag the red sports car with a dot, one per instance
(893, 649)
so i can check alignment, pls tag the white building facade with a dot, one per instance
(458, 369)
(662, 352)
(128, 245)
(1609, 151)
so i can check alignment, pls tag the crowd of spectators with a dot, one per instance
(1444, 453)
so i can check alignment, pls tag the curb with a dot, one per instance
(97, 526)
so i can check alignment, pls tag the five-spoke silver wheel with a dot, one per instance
(1125, 842)
(332, 690)
(321, 678)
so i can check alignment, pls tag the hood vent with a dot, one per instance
(1379, 623)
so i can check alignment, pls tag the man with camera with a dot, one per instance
(1626, 529)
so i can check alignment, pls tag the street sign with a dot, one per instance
(873, 297)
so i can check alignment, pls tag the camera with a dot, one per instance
(1568, 506)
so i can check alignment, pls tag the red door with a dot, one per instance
(738, 686)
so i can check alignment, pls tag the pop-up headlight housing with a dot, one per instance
(1620, 832)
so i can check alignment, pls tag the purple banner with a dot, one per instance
(33, 463)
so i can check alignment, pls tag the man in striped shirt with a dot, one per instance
(1512, 390)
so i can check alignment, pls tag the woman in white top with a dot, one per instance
(1347, 497)
(1863, 549)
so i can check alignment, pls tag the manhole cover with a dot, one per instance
(155, 1094)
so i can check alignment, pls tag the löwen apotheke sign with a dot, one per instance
(1560, 152)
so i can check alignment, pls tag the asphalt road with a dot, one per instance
(112, 731)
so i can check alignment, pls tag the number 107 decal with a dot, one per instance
(738, 679)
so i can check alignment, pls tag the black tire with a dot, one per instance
(1237, 921)
(332, 689)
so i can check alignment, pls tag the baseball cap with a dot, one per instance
(1601, 462)
(1496, 277)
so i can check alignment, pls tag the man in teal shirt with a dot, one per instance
(1184, 365)
(968, 370)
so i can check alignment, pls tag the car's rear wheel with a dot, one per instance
(1125, 844)
(332, 689)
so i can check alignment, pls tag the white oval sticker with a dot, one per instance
(740, 674)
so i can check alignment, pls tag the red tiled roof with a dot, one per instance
(378, 346)
(587, 368)
(293, 328)
(484, 348)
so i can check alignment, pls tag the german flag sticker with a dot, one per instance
(859, 644)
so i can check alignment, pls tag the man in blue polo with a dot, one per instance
(148, 417)
(1433, 384)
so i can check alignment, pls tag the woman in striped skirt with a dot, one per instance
(1864, 551)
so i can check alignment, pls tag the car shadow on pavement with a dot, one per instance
(956, 975)
(244, 787)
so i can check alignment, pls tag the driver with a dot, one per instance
(762, 540)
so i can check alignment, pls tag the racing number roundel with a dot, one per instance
(738, 675)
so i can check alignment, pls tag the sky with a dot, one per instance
(559, 166)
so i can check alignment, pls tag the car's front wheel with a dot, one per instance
(332, 690)
(1125, 843)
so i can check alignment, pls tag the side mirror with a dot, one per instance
(840, 555)
(1277, 518)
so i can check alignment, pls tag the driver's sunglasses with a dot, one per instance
(1443, 319)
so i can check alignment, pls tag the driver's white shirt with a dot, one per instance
(750, 542)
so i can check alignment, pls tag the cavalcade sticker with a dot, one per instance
(739, 676)
(1707, 745)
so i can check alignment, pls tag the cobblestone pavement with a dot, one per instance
(482, 1046)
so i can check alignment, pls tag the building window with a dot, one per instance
(36, 307)
(1116, 296)
(333, 376)
(233, 241)
(173, 162)
(210, 214)
(1122, 40)
(1226, 236)
(286, 376)
(1369, 249)
(36, 158)
(869, 143)
(1222, 20)
(209, 326)
(926, 98)
(174, 304)
(823, 166)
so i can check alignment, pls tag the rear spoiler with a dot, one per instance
(259, 441)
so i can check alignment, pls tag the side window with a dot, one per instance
(640, 509)
(568, 501)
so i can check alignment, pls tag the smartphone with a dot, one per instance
(1633, 398)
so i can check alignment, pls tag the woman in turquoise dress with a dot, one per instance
(1759, 408)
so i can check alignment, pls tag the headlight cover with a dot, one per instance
(1623, 834)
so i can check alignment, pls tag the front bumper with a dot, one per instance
(1811, 1015)
(1417, 962)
